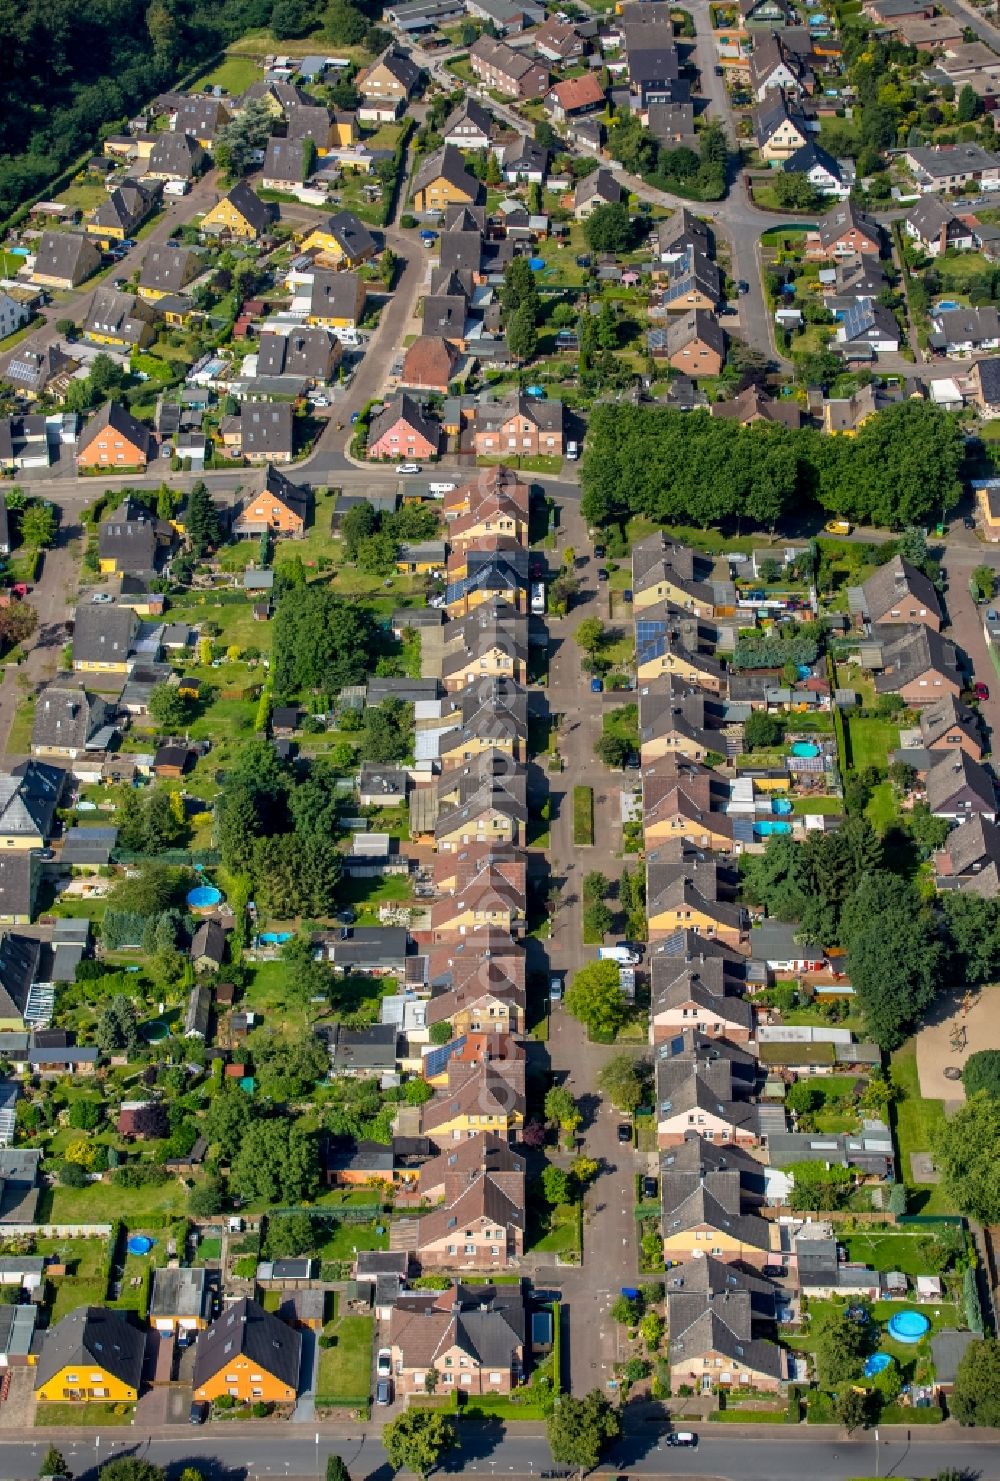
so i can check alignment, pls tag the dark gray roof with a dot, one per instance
(705, 1182)
(112, 414)
(908, 652)
(103, 634)
(248, 1329)
(178, 155)
(130, 537)
(370, 946)
(67, 717)
(284, 161)
(19, 957)
(305, 351)
(947, 1349)
(29, 796)
(350, 234)
(956, 772)
(899, 585)
(168, 268)
(180, 1292)
(19, 871)
(266, 428)
(66, 254)
(210, 941)
(88, 845)
(92, 1336)
(334, 295)
(372, 1048)
(447, 163)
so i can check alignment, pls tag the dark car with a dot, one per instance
(969, 522)
(627, 594)
(198, 1412)
(599, 552)
(383, 1391)
(602, 574)
(625, 1132)
(649, 1188)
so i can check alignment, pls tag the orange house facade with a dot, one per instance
(248, 1354)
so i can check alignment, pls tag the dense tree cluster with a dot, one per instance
(279, 828)
(901, 469)
(699, 176)
(321, 642)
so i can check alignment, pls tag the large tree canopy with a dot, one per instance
(901, 469)
(320, 642)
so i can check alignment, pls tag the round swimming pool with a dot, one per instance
(139, 1244)
(154, 1031)
(204, 897)
(804, 748)
(877, 1363)
(908, 1326)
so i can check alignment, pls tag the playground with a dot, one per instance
(962, 1024)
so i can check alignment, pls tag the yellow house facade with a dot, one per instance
(690, 918)
(490, 826)
(686, 666)
(666, 590)
(92, 1356)
(705, 1239)
(700, 832)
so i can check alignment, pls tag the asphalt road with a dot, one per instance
(230, 1452)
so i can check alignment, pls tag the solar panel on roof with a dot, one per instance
(436, 1061)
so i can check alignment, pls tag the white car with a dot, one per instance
(408, 468)
(383, 1363)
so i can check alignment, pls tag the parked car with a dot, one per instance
(981, 691)
(837, 527)
(408, 468)
(597, 686)
(383, 1363)
(682, 1437)
(650, 1188)
(627, 594)
(599, 552)
(383, 1391)
(198, 1412)
(625, 1133)
(602, 574)
(969, 522)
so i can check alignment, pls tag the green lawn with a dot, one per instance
(345, 1368)
(83, 193)
(804, 806)
(98, 1202)
(267, 994)
(583, 816)
(870, 741)
(893, 1251)
(343, 1240)
(82, 1416)
(916, 1121)
(883, 808)
(562, 1237)
(233, 74)
(958, 269)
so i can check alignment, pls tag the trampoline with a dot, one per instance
(139, 1244)
(908, 1326)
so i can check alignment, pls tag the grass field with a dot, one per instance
(882, 810)
(83, 193)
(345, 1368)
(583, 816)
(95, 1204)
(804, 806)
(905, 1252)
(562, 1237)
(870, 741)
(233, 74)
(916, 1121)
(82, 1416)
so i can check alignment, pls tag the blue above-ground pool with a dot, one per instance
(139, 1244)
(536, 264)
(877, 1363)
(908, 1326)
(204, 897)
(781, 808)
(946, 305)
(804, 748)
(767, 828)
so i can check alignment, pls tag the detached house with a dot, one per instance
(67, 720)
(175, 157)
(29, 797)
(284, 165)
(114, 439)
(574, 97)
(469, 127)
(240, 214)
(937, 228)
(959, 788)
(119, 319)
(166, 270)
(843, 232)
(281, 508)
(778, 128)
(124, 211)
(64, 260)
(400, 430)
(387, 86)
(600, 188)
(342, 241)
(266, 432)
(693, 344)
(248, 1354)
(336, 300)
(898, 592)
(443, 180)
(91, 1355)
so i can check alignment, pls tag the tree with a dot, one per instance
(651, 1330)
(201, 520)
(117, 1027)
(795, 191)
(168, 707)
(894, 955)
(336, 1470)
(969, 105)
(229, 1116)
(597, 920)
(321, 642)
(385, 732)
(17, 623)
(610, 229)
(417, 1440)
(842, 1344)
(207, 1198)
(358, 524)
(818, 1185)
(54, 1463)
(38, 524)
(555, 1185)
(590, 634)
(619, 1080)
(976, 1396)
(762, 731)
(130, 1468)
(984, 580)
(803, 1097)
(86, 1115)
(276, 1163)
(561, 1109)
(595, 998)
(297, 876)
(982, 1073)
(522, 336)
(852, 1409)
(579, 1429)
(290, 1236)
(964, 1148)
(344, 24)
(625, 1311)
(614, 750)
(519, 288)
(377, 555)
